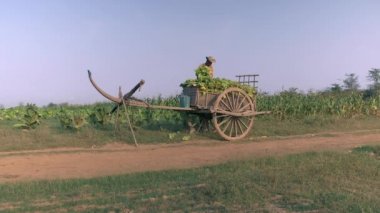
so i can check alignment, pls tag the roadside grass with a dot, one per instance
(51, 135)
(371, 150)
(322, 182)
(268, 126)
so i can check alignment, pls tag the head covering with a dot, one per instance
(211, 59)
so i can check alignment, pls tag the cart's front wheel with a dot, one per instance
(232, 127)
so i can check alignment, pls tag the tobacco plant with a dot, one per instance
(30, 119)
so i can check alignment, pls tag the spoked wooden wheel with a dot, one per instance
(233, 116)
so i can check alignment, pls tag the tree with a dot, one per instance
(290, 91)
(374, 77)
(351, 82)
(336, 88)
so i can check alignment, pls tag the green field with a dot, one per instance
(50, 134)
(293, 113)
(322, 182)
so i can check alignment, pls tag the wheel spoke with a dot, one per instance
(229, 101)
(243, 123)
(232, 127)
(224, 103)
(235, 124)
(233, 102)
(245, 97)
(237, 101)
(243, 108)
(225, 128)
(239, 125)
(238, 98)
(222, 116)
(224, 121)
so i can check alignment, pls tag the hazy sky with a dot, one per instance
(47, 46)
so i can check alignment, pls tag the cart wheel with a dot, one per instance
(228, 126)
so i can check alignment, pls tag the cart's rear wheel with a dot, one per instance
(228, 126)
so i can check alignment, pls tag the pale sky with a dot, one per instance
(47, 46)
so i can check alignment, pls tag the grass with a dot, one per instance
(51, 135)
(371, 150)
(268, 126)
(323, 182)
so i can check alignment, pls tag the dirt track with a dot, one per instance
(118, 159)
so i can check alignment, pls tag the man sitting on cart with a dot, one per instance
(206, 70)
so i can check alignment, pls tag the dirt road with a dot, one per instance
(119, 159)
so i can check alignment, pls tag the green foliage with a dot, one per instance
(31, 118)
(374, 77)
(155, 118)
(203, 73)
(286, 105)
(14, 113)
(336, 88)
(172, 135)
(99, 116)
(351, 82)
(375, 150)
(78, 121)
(71, 120)
(65, 118)
(214, 85)
(295, 105)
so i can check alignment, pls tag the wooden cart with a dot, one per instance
(231, 112)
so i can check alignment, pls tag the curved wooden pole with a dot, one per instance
(102, 92)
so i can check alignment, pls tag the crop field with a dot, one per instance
(308, 160)
(31, 127)
(284, 106)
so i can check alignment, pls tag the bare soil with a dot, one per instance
(113, 159)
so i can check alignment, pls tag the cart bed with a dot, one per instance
(198, 99)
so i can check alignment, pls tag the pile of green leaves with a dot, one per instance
(214, 85)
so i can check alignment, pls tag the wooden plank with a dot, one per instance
(241, 114)
(170, 108)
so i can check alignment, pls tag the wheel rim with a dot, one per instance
(228, 126)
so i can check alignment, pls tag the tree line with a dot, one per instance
(351, 83)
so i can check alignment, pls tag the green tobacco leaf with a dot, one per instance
(21, 126)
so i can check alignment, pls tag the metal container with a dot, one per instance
(184, 101)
